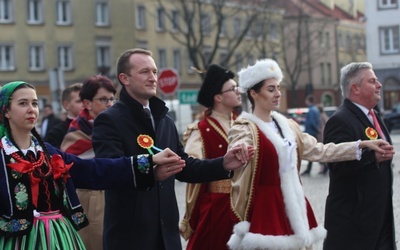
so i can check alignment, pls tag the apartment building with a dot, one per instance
(53, 43)
(383, 47)
(333, 37)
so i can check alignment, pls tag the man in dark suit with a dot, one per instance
(72, 104)
(359, 207)
(138, 124)
(49, 119)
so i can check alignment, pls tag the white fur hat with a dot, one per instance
(261, 70)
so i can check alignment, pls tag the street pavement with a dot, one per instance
(316, 190)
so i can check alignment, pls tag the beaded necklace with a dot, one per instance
(34, 169)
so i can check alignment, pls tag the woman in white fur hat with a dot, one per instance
(267, 198)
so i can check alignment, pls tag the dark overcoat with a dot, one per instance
(144, 218)
(360, 192)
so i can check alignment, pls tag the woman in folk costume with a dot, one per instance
(97, 94)
(206, 222)
(267, 197)
(39, 208)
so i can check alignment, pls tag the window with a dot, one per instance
(320, 39)
(102, 13)
(7, 58)
(141, 17)
(237, 25)
(65, 57)
(348, 42)
(6, 8)
(189, 22)
(175, 20)
(340, 40)
(36, 57)
(103, 59)
(160, 22)
(63, 12)
(103, 55)
(358, 42)
(387, 4)
(273, 33)
(327, 40)
(35, 11)
(322, 72)
(389, 40)
(177, 64)
(329, 73)
(162, 58)
(142, 44)
(205, 24)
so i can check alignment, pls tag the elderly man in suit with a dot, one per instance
(359, 207)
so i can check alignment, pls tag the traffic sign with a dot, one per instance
(188, 96)
(168, 81)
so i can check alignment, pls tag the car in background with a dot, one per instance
(299, 114)
(392, 119)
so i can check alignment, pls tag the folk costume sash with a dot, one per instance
(78, 140)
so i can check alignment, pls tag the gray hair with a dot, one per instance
(349, 74)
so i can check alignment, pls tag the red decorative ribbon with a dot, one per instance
(24, 166)
(57, 164)
(60, 168)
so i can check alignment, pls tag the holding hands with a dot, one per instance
(238, 156)
(167, 163)
(383, 150)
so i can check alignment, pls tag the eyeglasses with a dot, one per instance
(105, 100)
(233, 88)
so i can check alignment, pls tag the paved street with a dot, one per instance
(316, 190)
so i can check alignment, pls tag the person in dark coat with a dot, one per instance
(39, 207)
(148, 219)
(49, 120)
(359, 206)
(72, 104)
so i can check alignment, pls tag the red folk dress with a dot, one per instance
(267, 197)
(208, 220)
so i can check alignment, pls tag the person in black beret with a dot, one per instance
(205, 140)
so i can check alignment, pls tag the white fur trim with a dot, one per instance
(261, 70)
(293, 198)
(250, 241)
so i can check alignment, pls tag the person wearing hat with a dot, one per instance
(207, 223)
(267, 198)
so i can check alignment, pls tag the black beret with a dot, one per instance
(215, 78)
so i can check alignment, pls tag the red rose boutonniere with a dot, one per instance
(371, 133)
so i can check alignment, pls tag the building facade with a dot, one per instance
(383, 47)
(335, 36)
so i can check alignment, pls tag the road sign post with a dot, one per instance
(168, 81)
(188, 96)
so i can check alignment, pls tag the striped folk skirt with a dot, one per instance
(50, 231)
